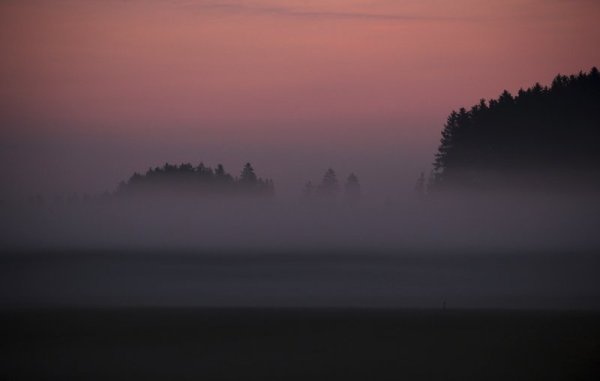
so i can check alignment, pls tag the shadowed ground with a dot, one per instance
(235, 316)
(302, 344)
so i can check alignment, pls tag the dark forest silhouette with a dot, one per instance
(543, 136)
(201, 180)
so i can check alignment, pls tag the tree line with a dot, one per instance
(539, 131)
(186, 179)
(199, 179)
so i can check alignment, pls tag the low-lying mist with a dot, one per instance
(477, 250)
(443, 221)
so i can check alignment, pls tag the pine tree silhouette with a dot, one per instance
(352, 189)
(248, 176)
(328, 188)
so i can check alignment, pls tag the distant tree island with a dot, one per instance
(542, 137)
(187, 179)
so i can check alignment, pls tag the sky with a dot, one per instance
(91, 91)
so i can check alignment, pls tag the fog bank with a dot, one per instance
(440, 222)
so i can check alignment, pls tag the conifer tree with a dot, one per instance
(328, 188)
(352, 188)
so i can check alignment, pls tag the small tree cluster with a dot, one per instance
(329, 188)
(197, 180)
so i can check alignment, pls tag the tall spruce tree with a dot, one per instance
(329, 187)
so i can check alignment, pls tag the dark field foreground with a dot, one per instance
(302, 344)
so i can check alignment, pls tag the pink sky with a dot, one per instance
(111, 86)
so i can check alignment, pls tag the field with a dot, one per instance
(82, 315)
(302, 344)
